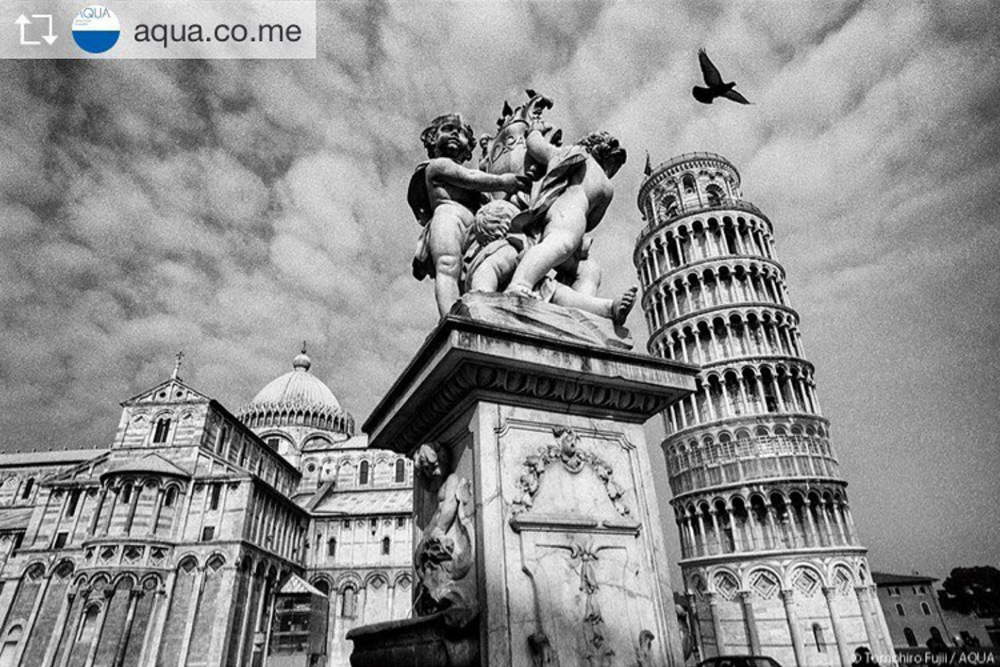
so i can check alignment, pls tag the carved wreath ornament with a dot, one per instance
(565, 450)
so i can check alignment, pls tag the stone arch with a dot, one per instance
(763, 581)
(725, 582)
(805, 579)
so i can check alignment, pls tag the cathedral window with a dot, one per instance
(74, 498)
(400, 471)
(126, 492)
(220, 444)
(161, 430)
(61, 539)
(924, 607)
(170, 497)
(911, 639)
(348, 603)
(386, 544)
(213, 501)
(363, 473)
(28, 486)
(899, 610)
(331, 547)
(273, 443)
(10, 643)
(374, 525)
(89, 625)
(400, 522)
(208, 533)
(818, 636)
(347, 524)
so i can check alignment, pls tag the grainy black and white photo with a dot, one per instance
(486, 333)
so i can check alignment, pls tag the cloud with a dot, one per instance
(232, 209)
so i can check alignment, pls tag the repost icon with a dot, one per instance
(96, 29)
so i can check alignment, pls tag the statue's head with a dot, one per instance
(493, 221)
(605, 150)
(430, 460)
(448, 136)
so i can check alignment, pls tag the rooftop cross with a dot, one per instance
(177, 366)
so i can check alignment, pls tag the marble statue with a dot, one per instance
(519, 224)
(445, 553)
(444, 195)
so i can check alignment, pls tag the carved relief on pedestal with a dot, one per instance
(566, 450)
(445, 554)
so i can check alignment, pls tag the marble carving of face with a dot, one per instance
(451, 141)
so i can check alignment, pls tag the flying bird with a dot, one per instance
(716, 87)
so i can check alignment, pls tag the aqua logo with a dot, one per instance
(96, 29)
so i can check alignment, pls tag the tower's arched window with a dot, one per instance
(363, 473)
(213, 501)
(715, 194)
(331, 547)
(688, 183)
(170, 497)
(924, 607)
(28, 486)
(400, 471)
(911, 639)
(126, 492)
(348, 603)
(818, 636)
(161, 430)
(385, 546)
(10, 643)
(899, 609)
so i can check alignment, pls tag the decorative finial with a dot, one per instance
(648, 169)
(302, 361)
(177, 366)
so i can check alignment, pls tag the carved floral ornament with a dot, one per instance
(566, 451)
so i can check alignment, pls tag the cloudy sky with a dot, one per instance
(232, 209)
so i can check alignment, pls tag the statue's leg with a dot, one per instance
(588, 277)
(570, 298)
(563, 234)
(447, 233)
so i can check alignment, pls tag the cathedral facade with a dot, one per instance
(175, 545)
(771, 560)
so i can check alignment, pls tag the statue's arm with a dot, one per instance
(600, 207)
(539, 147)
(447, 171)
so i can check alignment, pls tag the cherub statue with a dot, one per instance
(493, 258)
(571, 199)
(444, 196)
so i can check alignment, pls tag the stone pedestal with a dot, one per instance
(533, 501)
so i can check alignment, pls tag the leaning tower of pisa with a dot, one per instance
(771, 560)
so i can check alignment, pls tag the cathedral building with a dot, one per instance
(191, 538)
(771, 560)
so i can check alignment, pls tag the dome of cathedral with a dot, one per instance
(297, 398)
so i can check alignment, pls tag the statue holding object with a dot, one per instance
(526, 244)
(445, 195)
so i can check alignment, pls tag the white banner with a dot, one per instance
(154, 29)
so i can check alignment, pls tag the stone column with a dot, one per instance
(192, 613)
(101, 618)
(157, 508)
(875, 642)
(133, 599)
(713, 607)
(750, 621)
(92, 530)
(59, 629)
(787, 598)
(838, 632)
